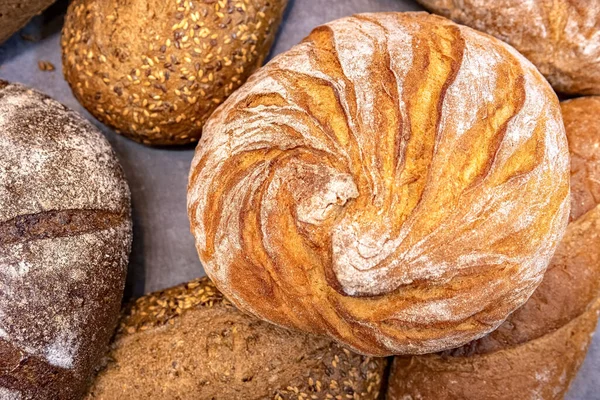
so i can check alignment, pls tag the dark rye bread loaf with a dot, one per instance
(189, 342)
(537, 351)
(65, 236)
(14, 14)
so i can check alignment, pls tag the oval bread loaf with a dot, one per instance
(155, 70)
(189, 343)
(14, 14)
(395, 181)
(561, 37)
(538, 350)
(65, 237)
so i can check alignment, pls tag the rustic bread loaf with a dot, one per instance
(65, 235)
(395, 181)
(189, 343)
(538, 350)
(154, 69)
(14, 14)
(561, 37)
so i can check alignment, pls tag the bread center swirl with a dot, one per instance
(377, 173)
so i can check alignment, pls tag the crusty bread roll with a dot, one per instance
(65, 236)
(189, 343)
(156, 69)
(396, 181)
(538, 350)
(561, 37)
(14, 14)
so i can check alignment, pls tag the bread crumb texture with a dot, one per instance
(156, 69)
(189, 342)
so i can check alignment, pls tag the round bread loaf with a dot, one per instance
(538, 350)
(395, 181)
(65, 237)
(155, 70)
(189, 343)
(14, 14)
(561, 37)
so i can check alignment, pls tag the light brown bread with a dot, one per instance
(65, 236)
(538, 350)
(155, 70)
(189, 343)
(396, 181)
(14, 14)
(561, 37)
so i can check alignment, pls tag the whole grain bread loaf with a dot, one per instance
(14, 14)
(190, 343)
(65, 235)
(155, 70)
(537, 351)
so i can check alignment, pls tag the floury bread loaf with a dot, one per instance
(65, 235)
(561, 37)
(189, 343)
(537, 351)
(395, 181)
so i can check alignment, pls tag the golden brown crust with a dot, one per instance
(188, 342)
(549, 334)
(155, 70)
(395, 181)
(561, 37)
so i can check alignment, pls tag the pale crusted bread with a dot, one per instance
(538, 350)
(189, 343)
(396, 181)
(561, 37)
(65, 236)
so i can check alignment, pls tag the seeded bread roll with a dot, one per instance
(189, 343)
(538, 350)
(65, 236)
(396, 181)
(14, 14)
(561, 37)
(155, 70)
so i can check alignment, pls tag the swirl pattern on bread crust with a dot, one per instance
(396, 181)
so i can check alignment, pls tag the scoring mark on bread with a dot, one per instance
(55, 224)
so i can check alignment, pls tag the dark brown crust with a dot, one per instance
(157, 70)
(55, 224)
(14, 14)
(65, 229)
(189, 342)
